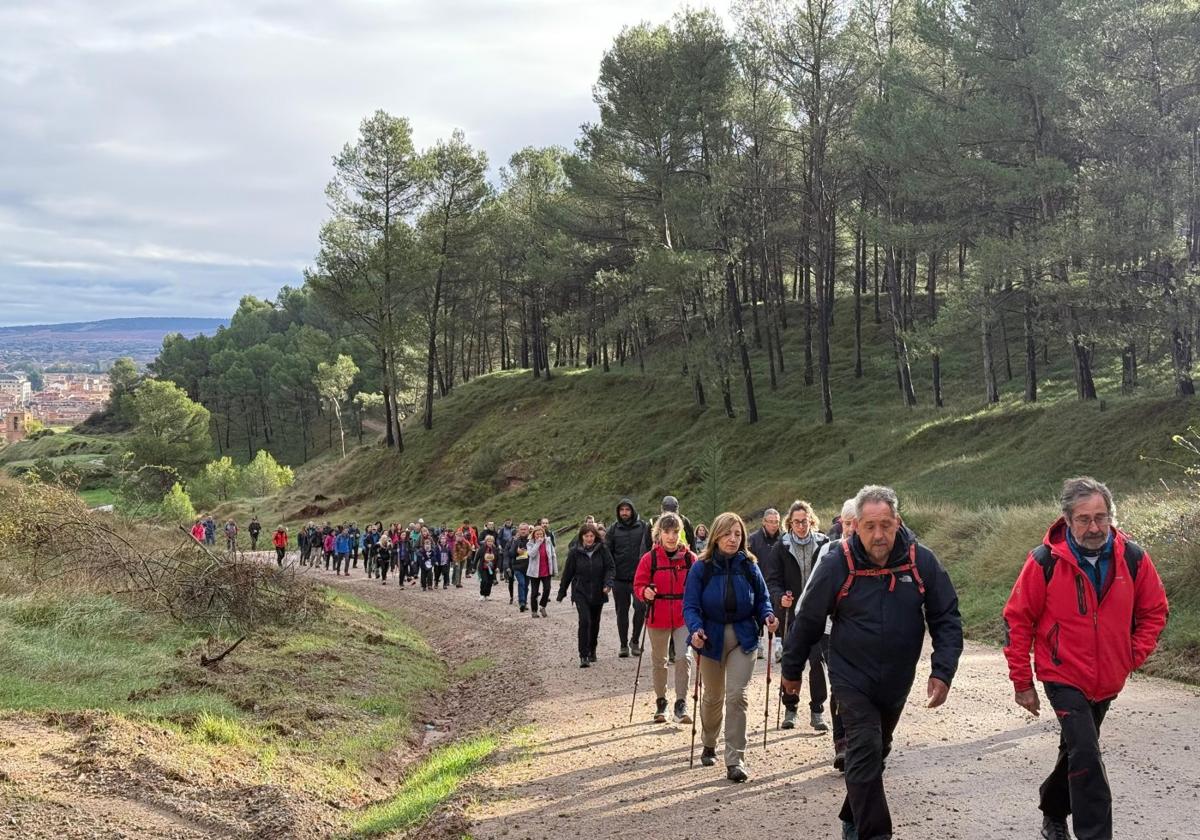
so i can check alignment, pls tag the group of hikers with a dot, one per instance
(848, 607)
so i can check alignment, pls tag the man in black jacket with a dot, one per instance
(255, 529)
(761, 543)
(787, 569)
(881, 598)
(628, 539)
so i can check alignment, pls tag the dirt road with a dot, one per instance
(967, 770)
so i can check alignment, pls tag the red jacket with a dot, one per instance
(670, 574)
(1084, 642)
(280, 539)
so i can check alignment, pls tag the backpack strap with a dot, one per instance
(1133, 558)
(1044, 557)
(846, 553)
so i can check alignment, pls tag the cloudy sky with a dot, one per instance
(165, 157)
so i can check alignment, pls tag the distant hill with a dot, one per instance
(95, 342)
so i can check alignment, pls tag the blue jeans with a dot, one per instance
(522, 586)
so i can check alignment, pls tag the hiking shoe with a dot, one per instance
(660, 710)
(778, 654)
(624, 654)
(543, 612)
(635, 649)
(736, 773)
(523, 607)
(789, 719)
(839, 755)
(762, 651)
(583, 662)
(1055, 828)
(681, 714)
(708, 756)
(849, 832)
(817, 721)
(592, 657)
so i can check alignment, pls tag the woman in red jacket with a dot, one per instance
(658, 582)
(280, 541)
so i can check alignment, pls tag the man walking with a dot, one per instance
(254, 529)
(1091, 604)
(762, 542)
(883, 589)
(628, 540)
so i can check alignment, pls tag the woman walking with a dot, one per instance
(280, 541)
(701, 538)
(659, 582)
(426, 559)
(543, 565)
(725, 602)
(487, 560)
(589, 572)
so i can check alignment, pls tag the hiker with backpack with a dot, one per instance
(725, 604)
(787, 569)
(883, 589)
(761, 543)
(670, 504)
(628, 539)
(659, 583)
(517, 558)
(846, 526)
(588, 571)
(426, 558)
(254, 529)
(231, 532)
(1090, 603)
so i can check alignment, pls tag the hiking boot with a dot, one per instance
(789, 719)
(635, 649)
(681, 714)
(533, 613)
(660, 710)
(708, 756)
(523, 607)
(583, 662)
(1055, 828)
(592, 657)
(624, 654)
(736, 773)
(817, 721)
(839, 755)
(849, 832)
(762, 651)
(543, 612)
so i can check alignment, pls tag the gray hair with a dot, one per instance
(876, 493)
(1075, 490)
(769, 511)
(848, 510)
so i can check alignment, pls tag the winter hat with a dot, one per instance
(670, 503)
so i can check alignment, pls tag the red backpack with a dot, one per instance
(910, 566)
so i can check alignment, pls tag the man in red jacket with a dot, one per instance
(1091, 604)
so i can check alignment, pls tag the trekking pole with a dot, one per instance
(695, 710)
(779, 704)
(641, 652)
(767, 704)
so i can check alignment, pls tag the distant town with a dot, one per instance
(65, 399)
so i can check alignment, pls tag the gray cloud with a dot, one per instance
(165, 157)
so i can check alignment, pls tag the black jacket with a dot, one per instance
(521, 565)
(587, 576)
(761, 545)
(783, 573)
(878, 634)
(627, 541)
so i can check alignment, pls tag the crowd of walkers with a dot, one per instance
(851, 607)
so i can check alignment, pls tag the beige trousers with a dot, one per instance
(660, 646)
(725, 685)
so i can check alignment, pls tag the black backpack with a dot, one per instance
(1045, 558)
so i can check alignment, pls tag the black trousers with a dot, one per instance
(622, 597)
(1078, 785)
(279, 552)
(869, 728)
(589, 627)
(534, 584)
(486, 578)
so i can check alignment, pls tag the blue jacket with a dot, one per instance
(341, 544)
(704, 605)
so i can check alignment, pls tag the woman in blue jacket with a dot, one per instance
(725, 603)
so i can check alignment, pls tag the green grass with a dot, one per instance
(67, 446)
(428, 786)
(98, 496)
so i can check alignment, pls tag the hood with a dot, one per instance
(632, 506)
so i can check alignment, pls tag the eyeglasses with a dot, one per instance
(1100, 520)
